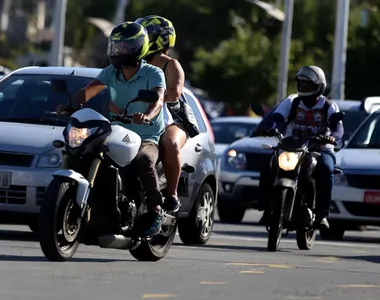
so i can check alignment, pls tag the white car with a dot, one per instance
(356, 194)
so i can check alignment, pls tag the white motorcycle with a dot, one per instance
(96, 198)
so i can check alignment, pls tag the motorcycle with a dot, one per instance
(96, 198)
(293, 195)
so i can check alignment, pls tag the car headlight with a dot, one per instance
(76, 136)
(340, 179)
(288, 161)
(51, 159)
(236, 160)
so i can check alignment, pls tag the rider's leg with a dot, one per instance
(172, 141)
(145, 162)
(324, 175)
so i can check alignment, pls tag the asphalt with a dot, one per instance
(234, 265)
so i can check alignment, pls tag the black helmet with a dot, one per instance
(127, 45)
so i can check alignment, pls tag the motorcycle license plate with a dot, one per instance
(372, 197)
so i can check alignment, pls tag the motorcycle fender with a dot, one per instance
(286, 182)
(83, 185)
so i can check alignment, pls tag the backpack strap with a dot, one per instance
(292, 114)
(326, 107)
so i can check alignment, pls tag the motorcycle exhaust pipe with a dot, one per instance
(114, 241)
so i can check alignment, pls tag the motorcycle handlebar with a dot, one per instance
(127, 119)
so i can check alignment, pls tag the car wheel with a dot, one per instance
(197, 227)
(334, 233)
(229, 212)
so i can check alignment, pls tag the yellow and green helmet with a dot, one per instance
(128, 43)
(161, 33)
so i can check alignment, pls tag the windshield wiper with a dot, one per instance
(42, 121)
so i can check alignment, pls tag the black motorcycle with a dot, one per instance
(292, 201)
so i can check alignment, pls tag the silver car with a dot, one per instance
(28, 159)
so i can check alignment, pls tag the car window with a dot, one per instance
(31, 96)
(368, 135)
(191, 101)
(351, 121)
(229, 132)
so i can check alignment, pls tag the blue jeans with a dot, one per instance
(324, 182)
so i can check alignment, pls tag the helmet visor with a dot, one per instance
(306, 86)
(124, 47)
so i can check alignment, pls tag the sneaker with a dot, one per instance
(322, 224)
(172, 204)
(155, 228)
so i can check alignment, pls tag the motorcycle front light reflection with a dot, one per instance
(288, 161)
(76, 136)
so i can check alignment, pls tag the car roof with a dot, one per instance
(347, 104)
(238, 119)
(73, 71)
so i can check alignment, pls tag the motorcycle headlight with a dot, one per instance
(236, 160)
(51, 159)
(288, 161)
(76, 136)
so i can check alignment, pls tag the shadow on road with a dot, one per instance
(367, 258)
(15, 235)
(227, 247)
(4, 257)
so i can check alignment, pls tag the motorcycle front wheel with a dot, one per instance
(59, 213)
(276, 219)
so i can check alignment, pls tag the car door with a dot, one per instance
(193, 152)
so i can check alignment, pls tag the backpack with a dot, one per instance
(296, 102)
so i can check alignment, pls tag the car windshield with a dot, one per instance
(368, 136)
(30, 98)
(351, 121)
(229, 132)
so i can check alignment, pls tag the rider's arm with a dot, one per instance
(93, 88)
(156, 83)
(175, 79)
(337, 129)
(281, 113)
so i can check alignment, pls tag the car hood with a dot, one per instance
(28, 138)
(219, 148)
(252, 144)
(359, 159)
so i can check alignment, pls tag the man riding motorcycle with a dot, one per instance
(124, 77)
(303, 120)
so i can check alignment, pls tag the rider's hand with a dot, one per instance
(115, 109)
(140, 118)
(330, 139)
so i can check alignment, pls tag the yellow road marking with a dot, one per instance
(157, 296)
(252, 272)
(364, 286)
(213, 282)
(261, 265)
(329, 259)
(301, 298)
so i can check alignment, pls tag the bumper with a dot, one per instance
(241, 188)
(348, 205)
(26, 191)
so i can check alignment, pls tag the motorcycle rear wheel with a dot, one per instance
(59, 212)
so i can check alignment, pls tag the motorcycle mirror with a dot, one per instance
(257, 109)
(148, 96)
(336, 117)
(59, 85)
(267, 146)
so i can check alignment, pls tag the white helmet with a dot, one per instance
(312, 74)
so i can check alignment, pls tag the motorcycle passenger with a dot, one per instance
(162, 37)
(124, 77)
(309, 118)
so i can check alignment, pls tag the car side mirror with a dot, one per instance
(336, 117)
(147, 96)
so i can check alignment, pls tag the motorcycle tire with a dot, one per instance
(276, 220)
(305, 238)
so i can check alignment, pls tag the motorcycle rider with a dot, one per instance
(162, 37)
(124, 77)
(309, 118)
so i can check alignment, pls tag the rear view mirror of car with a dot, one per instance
(59, 85)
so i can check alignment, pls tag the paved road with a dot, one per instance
(234, 265)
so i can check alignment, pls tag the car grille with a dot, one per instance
(40, 194)
(14, 195)
(362, 209)
(363, 181)
(257, 161)
(15, 159)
